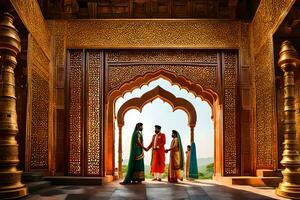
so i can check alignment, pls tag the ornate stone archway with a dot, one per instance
(211, 97)
(96, 77)
(139, 103)
(209, 74)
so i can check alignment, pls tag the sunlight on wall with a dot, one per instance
(162, 113)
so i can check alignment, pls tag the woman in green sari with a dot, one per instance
(136, 169)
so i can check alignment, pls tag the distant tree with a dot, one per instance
(208, 172)
(124, 168)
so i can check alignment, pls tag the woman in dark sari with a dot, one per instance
(136, 169)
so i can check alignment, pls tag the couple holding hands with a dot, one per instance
(136, 170)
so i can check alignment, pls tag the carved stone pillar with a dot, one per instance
(290, 185)
(10, 177)
(192, 134)
(120, 160)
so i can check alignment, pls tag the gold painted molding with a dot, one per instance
(39, 71)
(32, 17)
(268, 17)
(149, 33)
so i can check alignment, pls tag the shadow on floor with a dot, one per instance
(157, 190)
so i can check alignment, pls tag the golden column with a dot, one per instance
(120, 161)
(10, 177)
(290, 185)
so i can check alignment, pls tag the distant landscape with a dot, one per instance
(205, 168)
(203, 162)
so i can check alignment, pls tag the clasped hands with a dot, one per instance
(147, 149)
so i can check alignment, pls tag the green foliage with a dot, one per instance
(165, 174)
(124, 169)
(204, 173)
(207, 172)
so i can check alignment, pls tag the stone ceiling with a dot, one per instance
(103, 9)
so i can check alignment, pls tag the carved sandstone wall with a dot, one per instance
(161, 34)
(39, 120)
(155, 34)
(268, 17)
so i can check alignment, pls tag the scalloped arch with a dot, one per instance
(207, 95)
(158, 92)
(210, 96)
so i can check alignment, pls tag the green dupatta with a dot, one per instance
(180, 152)
(193, 171)
(133, 154)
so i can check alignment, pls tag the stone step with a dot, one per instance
(250, 180)
(78, 180)
(32, 176)
(268, 173)
(37, 185)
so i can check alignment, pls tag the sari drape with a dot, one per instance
(136, 168)
(176, 160)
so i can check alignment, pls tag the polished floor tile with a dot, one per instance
(200, 190)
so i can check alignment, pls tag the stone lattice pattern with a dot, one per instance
(94, 115)
(159, 56)
(268, 17)
(75, 130)
(201, 67)
(86, 82)
(39, 129)
(264, 78)
(85, 112)
(198, 66)
(231, 141)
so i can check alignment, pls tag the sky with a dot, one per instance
(161, 113)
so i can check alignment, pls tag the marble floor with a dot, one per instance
(206, 189)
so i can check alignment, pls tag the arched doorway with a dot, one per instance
(139, 102)
(97, 78)
(177, 103)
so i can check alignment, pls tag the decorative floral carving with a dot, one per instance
(153, 34)
(31, 15)
(269, 15)
(206, 76)
(39, 129)
(231, 139)
(75, 130)
(94, 133)
(162, 56)
(264, 77)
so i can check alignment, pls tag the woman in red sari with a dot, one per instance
(176, 159)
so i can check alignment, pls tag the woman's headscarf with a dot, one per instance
(132, 153)
(181, 165)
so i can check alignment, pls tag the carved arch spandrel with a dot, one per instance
(158, 92)
(207, 95)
